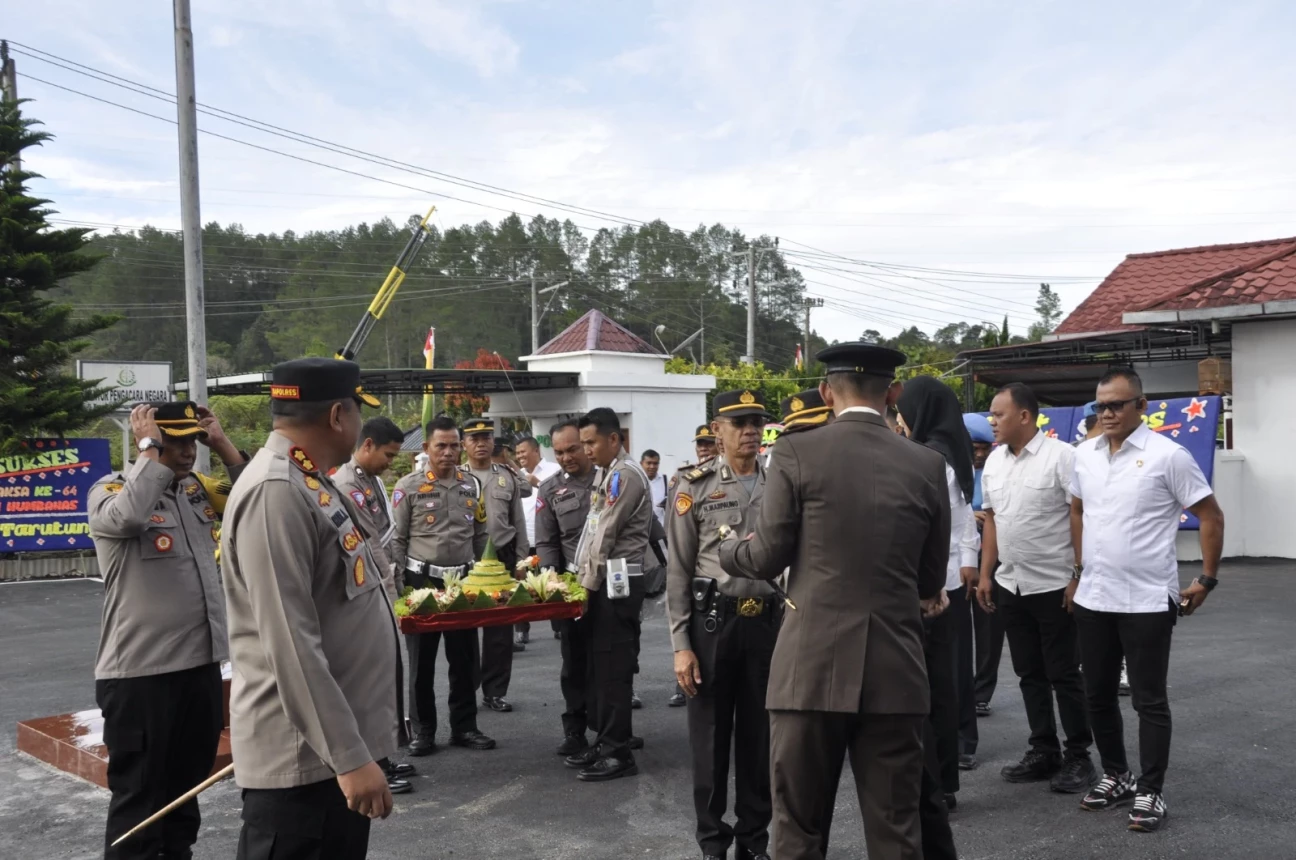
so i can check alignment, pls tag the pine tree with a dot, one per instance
(38, 337)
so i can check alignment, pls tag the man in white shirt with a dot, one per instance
(535, 471)
(1130, 488)
(1025, 493)
(651, 462)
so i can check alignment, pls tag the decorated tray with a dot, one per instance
(443, 621)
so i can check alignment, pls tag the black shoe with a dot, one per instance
(636, 742)
(523, 638)
(518, 646)
(497, 703)
(715, 857)
(396, 785)
(967, 761)
(1076, 775)
(558, 634)
(573, 744)
(983, 709)
(608, 768)
(635, 702)
(1036, 766)
(1148, 812)
(1111, 790)
(582, 759)
(951, 802)
(473, 740)
(422, 746)
(677, 700)
(400, 769)
(744, 854)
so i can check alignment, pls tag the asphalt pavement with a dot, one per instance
(1230, 786)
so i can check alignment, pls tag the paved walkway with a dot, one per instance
(1231, 791)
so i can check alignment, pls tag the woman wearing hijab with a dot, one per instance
(930, 415)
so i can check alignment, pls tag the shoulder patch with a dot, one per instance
(358, 497)
(683, 503)
(397, 496)
(113, 488)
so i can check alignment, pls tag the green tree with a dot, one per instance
(38, 337)
(1049, 307)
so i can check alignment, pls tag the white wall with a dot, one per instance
(1264, 415)
(1163, 378)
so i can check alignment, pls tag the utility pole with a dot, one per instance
(9, 84)
(808, 303)
(536, 313)
(750, 357)
(190, 215)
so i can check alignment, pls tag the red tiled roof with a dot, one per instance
(598, 333)
(1271, 281)
(1146, 281)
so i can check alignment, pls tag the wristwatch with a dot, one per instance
(1207, 582)
(1076, 570)
(147, 442)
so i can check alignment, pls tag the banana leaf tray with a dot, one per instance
(472, 618)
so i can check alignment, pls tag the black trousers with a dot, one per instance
(960, 609)
(497, 644)
(613, 627)
(309, 822)
(1045, 656)
(576, 717)
(726, 718)
(464, 668)
(989, 633)
(938, 652)
(1143, 640)
(161, 732)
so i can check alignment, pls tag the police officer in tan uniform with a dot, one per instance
(561, 510)
(157, 675)
(361, 479)
(312, 638)
(609, 563)
(440, 517)
(502, 493)
(723, 631)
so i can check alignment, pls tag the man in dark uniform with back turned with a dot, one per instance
(561, 510)
(868, 548)
(157, 676)
(502, 493)
(723, 630)
(313, 640)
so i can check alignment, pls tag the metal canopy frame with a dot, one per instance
(412, 381)
(1065, 371)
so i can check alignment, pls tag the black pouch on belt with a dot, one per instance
(704, 602)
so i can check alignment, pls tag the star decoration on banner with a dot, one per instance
(1183, 518)
(1174, 433)
(85, 468)
(1195, 409)
(1194, 428)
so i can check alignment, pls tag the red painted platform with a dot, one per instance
(73, 743)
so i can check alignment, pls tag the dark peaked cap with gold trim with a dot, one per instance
(179, 420)
(804, 407)
(473, 426)
(860, 357)
(703, 434)
(318, 380)
(740, 403)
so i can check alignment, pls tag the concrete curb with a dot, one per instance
(30, 567)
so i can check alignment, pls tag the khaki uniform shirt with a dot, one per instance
(561, 510)
(312, 636)
(373, 515)
(505, 515)
(619, 521)
(155, 539)
(437, 521)
(706, 498)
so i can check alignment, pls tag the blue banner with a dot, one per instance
(44, 493)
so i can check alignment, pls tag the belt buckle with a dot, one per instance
(750, 607)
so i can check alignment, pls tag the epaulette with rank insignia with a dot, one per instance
(693, 473)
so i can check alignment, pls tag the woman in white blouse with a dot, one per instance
(930, 414)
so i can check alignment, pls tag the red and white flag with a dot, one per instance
(429, 346)
(798, 357)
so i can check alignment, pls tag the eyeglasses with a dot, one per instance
(1113, 406)
(747, 421)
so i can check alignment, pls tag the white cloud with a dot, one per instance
(459, 31)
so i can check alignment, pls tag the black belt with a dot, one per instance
(746, 607)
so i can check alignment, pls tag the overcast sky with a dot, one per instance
(1043, 139)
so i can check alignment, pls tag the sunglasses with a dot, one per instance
(747, 421)
(1114, 406)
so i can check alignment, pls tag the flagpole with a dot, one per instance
(429, 398)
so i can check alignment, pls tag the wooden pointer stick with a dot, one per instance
(179, 801)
